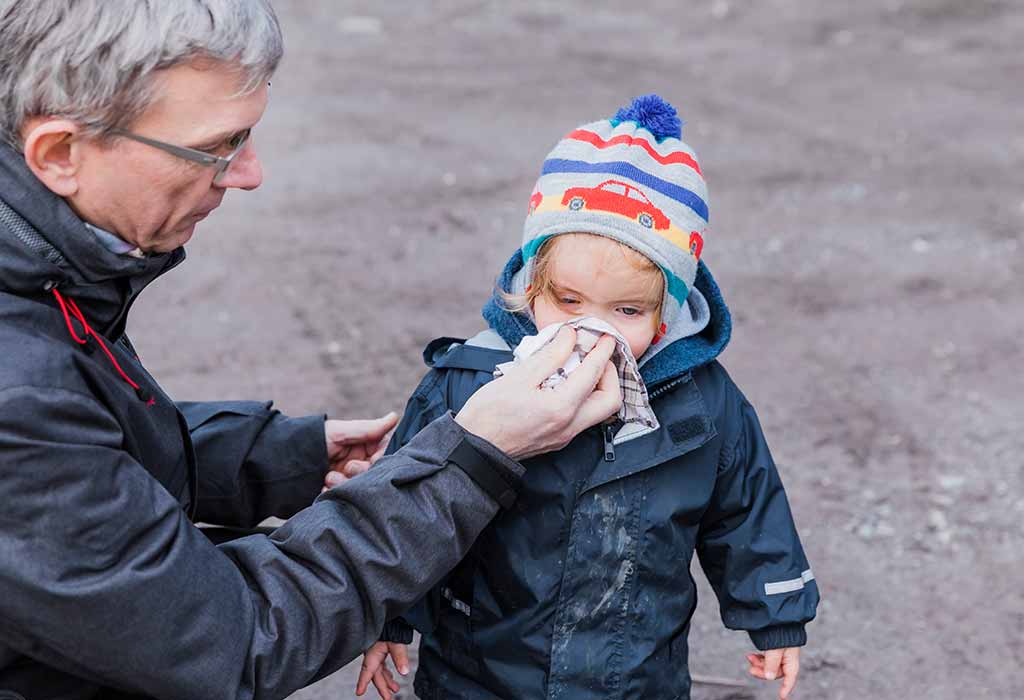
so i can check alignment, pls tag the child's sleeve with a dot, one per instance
(748, 545)
(426, 404)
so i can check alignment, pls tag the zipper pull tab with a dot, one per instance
(609, 445)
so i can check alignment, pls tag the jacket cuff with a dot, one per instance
(310, 439)
(493, 471)
(396, 632)
(779, 637)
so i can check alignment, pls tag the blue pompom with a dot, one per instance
(654, 114)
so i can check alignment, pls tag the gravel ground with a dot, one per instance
(864, 161)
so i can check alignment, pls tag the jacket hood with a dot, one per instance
(43, 244)
(677, 359)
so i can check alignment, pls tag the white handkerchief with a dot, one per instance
(636, 414)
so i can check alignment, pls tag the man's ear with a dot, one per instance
(53, 154)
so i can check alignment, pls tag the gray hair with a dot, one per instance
(92, 61)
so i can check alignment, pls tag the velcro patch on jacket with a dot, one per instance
(688, 428)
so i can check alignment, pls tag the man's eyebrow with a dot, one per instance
(217, 139)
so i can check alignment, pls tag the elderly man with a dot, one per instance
(125, 122)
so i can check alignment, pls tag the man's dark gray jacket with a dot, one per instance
(105, 583)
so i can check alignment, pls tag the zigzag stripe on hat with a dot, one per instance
(664, 158)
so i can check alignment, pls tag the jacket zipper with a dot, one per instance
(670, 385)
(608, 430)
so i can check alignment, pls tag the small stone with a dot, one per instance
(334, 348)
(357, 24)
(449, 179)
(937, 520)
(884, 529)
(894, 440)
(720, 9)
(844, 37)
(951, 482)
(920, 245)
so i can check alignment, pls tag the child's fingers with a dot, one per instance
(790, 671)
(381, 684)
(385, 682)
(772, 661)
(400, 657)
(372, 660)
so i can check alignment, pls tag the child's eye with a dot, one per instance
(567, 300)
(630, 311)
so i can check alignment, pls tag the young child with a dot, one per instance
(582, 589)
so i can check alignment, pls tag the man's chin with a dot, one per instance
(173, 242)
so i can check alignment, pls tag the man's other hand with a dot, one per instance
(354, 445)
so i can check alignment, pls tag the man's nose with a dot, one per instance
(245, 171)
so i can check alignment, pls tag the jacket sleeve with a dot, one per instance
(748, 544)
(254, 462)
(425, 404)
(103, 575)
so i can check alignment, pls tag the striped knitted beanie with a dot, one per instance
(630, 178)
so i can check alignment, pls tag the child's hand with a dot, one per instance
(767, 666)
(375, 668)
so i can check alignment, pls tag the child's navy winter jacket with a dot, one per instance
(583, 589)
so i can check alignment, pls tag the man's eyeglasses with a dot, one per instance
(236, 143)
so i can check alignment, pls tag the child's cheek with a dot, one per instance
(546, 313)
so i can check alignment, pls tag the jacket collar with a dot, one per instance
(44, 244)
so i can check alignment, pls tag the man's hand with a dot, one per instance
(518, 417)
(353, 445)
(767, 666)
(376, 669)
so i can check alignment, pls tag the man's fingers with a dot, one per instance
(346, 432)
(772, 660)
(547, 361)
(400, 657)
(382, 446)
(603, 403)
(591, 371)
(354, 467)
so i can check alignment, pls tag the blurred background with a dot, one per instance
(867, 212)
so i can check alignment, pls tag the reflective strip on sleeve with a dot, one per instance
(788, 586)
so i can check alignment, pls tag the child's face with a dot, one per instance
(591, 276)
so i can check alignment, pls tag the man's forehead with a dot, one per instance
(201, 101)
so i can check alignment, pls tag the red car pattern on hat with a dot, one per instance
(696, 244)
(535, 200)
(619, 198)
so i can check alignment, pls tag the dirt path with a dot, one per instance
(864, 162)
